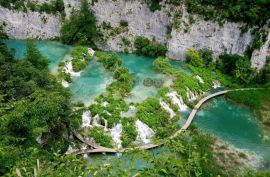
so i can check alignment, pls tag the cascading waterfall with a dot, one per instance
(177, 99)
(216, 84)
(86, 119)
(191, 95)
(116, 135)
(166, 107)
(145, 133)
(199, 79)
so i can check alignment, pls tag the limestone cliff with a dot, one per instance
(141, 21)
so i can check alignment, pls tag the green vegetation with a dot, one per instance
(53, 7)
(3, 34)
(250, 12)
(153, 4)
(100, 136)
(80, 58)
(33, 104)
(123, 23)
(124, 80)
(149, 48)
(129, 132)
(80, 28)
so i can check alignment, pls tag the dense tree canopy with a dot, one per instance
(32, 104)
(247, 11)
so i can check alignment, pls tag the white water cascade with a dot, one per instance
(167, 108)
(145, 133)
(116, 135)
(191, 95)
(216, 84)
(69, 69)
(86, 119)
(199, 79)
(177, 99)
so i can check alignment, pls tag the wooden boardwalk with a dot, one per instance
(100, 149)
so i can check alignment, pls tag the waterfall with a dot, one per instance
(167, 108)
(216, 84)
(96, 121)
(65, 84)
(116, 135)
(199, 79)
(145, 133)
(191, 96)
(104, 104)
(69, 69)
(177, 99)
(86, 119)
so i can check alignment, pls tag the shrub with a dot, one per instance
(194, 58)
(123, 23)
(149, 48)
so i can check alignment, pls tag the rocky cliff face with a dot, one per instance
(141, 21)
(22, 25)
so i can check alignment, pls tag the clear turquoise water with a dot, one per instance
(91, 83)
(53, 51)
(141, 67)
(234, 124)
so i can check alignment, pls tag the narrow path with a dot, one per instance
(100, 149)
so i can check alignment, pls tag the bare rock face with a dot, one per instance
(141, 22)
(205, 34)
(258, 58)
(34, 25)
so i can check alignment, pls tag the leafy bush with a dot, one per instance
(250, 12)
(149, 48)
(80, 58)
(100, 137)
(151, 113)
(123, 23)
(194, 58)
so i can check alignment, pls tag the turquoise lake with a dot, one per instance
(230, 122)
(53, 51)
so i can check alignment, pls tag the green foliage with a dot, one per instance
(237, 67)
(149, 48)
(35, 104)
(250, 12)
(34, 57)
(50, 8)
(126, 41)
(153, 4)
(80, 28)
(124, 80)
(3, 34)
(129, 132)
(162, 65)
(80, 58)
(194, 58)
(151, 113)
(206, 55)
(123, 23)
(100, 137)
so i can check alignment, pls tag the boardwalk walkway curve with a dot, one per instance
(100, 149)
